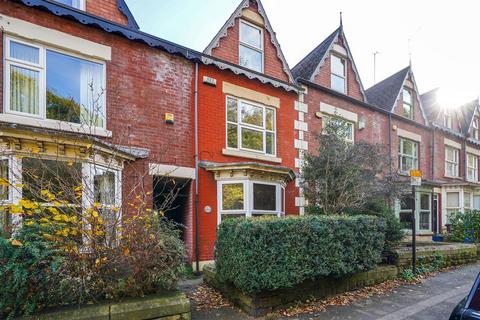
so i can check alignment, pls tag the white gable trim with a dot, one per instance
(215, 43)
(417, 95)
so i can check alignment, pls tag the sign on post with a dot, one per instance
(416, 178)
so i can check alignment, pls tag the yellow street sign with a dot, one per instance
(416, 173)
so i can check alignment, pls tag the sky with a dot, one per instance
(441, 36)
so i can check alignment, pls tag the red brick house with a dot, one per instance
(248, 136)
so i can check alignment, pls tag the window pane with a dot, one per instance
(453, 200)
(406, 203)
(252, 139)
(252, 115)
(71, 3)
(250, 35)
(232, 135)
(408, 147)
(338, 83)
(407, 111)
(251, 59)
(407, 97)
(58, 177)
(104, 186)
(24, 90)
(466, 200)
(24, 52)
(338, 66)
(406, 220)
(424, 223)
(4, 179)
(270, 119)
(476, 202)
(424, 202)
(270, 143)
(74, 90)
(264, 197)
(232, 196)
(232, 110)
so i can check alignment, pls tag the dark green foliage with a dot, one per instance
(273, 253)
(393, 233)
(465, 226)
(424, 265)
(28, 273)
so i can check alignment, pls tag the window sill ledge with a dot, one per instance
(250, 155)
(55, 125)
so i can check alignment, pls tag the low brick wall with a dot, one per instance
(453, 254)
(267, 302)
(169, 306)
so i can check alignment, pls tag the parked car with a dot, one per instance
(469, 307)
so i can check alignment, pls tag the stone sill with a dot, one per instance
(250, 155)
(169, 306)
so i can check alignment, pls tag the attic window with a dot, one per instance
(476, 128)
(407, 104)
(447, 119)
(338, 74)
(251, 46)
(78, 4)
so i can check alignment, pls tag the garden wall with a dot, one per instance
(453, 254)
(268, 301)
(170, 306)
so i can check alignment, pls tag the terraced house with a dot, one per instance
(228, 127)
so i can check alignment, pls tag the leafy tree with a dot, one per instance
(344, 175)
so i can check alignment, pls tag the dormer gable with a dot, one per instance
(398, 94)
(247, 39)
(331, 65)
(474, 131)
(112, 10)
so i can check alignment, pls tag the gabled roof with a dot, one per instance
(431, 105)
(310, 66)
(306, 68)
(465, 115)
(231, 22)
(385, 93)
(123, 7)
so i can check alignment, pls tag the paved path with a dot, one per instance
(432, 300)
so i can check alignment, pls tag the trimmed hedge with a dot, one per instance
(272, 253)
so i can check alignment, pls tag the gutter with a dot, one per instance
(197, 250)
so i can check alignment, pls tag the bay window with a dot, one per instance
(472, 167)
(250, 127)
(406, 219)
(338, 74)
(47, 84)
(425, 209)
(407, 155)
(453, 202)
(451, 161)
(251, 46)
(248, 198)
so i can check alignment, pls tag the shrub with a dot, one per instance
(465, 226)
(393, 232)
(273, 253)
(29, 273)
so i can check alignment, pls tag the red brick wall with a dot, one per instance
(417, 112)
(376, 125)
(106, 9)
(440, 157)
(142, 85)
(212, 136)
(228, 50)
(323, 78)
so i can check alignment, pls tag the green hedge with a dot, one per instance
(273, 253)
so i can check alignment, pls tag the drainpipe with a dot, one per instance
(465, 159)
(197, 251)
(433, 154)
(390, 142)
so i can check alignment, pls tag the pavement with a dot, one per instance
(433, 299)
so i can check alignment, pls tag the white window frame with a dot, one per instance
(241, 125)
(350, 124)
(401, 154)
(447, 119)
(476, 128)
(429, 211)
(344, 76)
(41, 68)
(408, 103)
(472, 169)
(81, 5)
(249, 46)
(450, 208)
(248, 210)
(455, 162)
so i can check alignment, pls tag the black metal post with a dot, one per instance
(414, 234)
